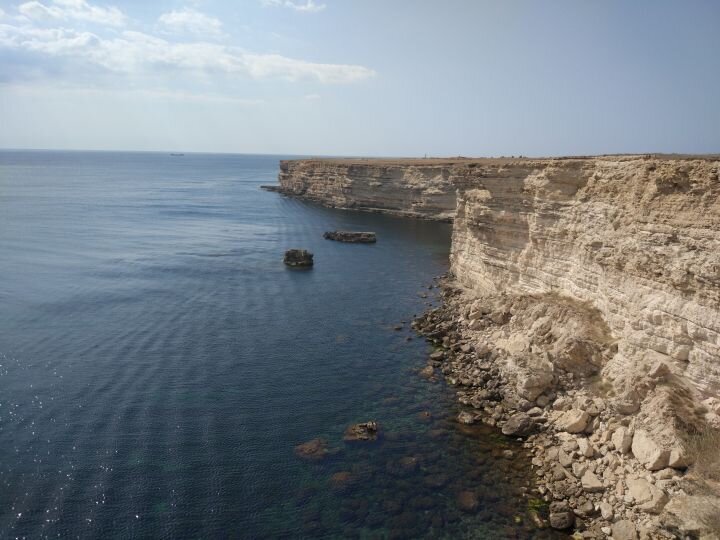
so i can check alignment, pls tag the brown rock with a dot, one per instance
(467, 501)
(365, 431)
(315, 449)
(298, 258)
(624, 530)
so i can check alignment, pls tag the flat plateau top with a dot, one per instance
(434, 161)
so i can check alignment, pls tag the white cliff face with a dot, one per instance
(585, 293)
(638, 239)
(417, 190)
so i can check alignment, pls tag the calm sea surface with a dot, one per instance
(158, 363)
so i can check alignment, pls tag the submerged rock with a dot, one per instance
(467, 501)
(365, 431)
(428, 372)
(341, 480)
(351, 237)
(466, 418)
(298, 258)
(315, 449)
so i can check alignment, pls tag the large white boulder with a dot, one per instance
(572, 421)
(648, 452)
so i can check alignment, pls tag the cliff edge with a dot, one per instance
(582, 313)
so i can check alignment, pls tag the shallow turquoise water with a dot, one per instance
(159, 363)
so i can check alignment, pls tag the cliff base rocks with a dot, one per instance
(535, 367)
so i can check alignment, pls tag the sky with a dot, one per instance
(362, 77)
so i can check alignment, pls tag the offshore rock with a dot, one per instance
(366, 431)
(298, 258)
(351, 237)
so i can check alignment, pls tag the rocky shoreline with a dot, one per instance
(582, 317)
(596, 472)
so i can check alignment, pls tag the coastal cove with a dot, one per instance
(160, 364)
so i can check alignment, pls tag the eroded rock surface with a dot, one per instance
(365, 431)
(298, 258)
(420, 190)
(584, 295)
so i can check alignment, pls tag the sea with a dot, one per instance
(159, 364)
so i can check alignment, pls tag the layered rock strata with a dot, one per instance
(583, 315)
(417, 189)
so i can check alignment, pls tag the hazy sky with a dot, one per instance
(362, 77)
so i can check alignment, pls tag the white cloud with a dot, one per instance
(138, 53)
(308, 7)
(2, 13)
(190, 21)
(129, 94)
(66, 10)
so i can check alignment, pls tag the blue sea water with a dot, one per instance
(159, 364)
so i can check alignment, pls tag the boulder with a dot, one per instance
(653, 456)
(624, 530)
(680, 458)
(622, 439)
(351, 237)
(562, 520)
(561, 517)
(572, 421)
(658, 501)
(606, 510)
(639, 489)
(428, 372)
(365, 431)
(530, 384)
(298, 258)
(591, 483)
(467, 501)
(466, 418)
(628, 403)
(585, 448)
(519, 425)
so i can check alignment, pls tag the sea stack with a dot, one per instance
(298, 258)
(351, 237)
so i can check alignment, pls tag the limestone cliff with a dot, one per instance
(415, 189)
(586, 292)
(638, 238)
